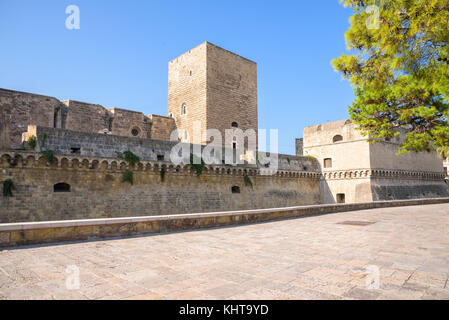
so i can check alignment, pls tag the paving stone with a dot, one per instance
(309, 258)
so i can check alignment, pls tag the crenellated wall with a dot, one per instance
(97, 190)
(104, 145)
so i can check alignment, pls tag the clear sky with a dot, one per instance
(119, 56)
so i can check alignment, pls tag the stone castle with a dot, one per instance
(207, 85)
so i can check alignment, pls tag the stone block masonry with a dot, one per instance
(104, 145)
(18, 110)
(16, 234)
(94, 188)
(217, 88)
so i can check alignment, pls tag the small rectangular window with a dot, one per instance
(235, 189)
(328, 163)
(160, 157)
(75, 150)
(341, 198)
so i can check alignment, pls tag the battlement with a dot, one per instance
(93, 187)
(73, 143)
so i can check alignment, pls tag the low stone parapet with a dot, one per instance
(29, 233)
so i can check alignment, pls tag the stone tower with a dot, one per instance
(214, 86)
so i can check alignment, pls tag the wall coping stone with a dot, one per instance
(313, 209)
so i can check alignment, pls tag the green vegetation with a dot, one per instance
(32, 142)
(132, 160)
(49, 155)
(198, 167)
(129, 157)
(399, 71)
(259, 160)
(128, 176)
(311, 159)
(8, 187)
(247, 180)
(162, 174)
(43, 139)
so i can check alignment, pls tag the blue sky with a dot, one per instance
(119, 56)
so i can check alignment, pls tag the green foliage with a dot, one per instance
(288, 160)
(259, 160)
(247, 181)
(400, 71)
(312, 159)
(43, 139)
(195, 165)
(129, 157)
(32, 142)
(49, 155)
(128, 176)
(8, 187)
(162, 174)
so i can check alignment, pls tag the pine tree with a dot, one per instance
(399, 68)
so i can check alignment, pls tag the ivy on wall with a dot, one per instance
(312, 159)
(129, 157)
(49, 155)
(32, 142)
(198, 167)
(128, 176)
(132, 160)
(8, 187)
(43, 138)
(247, 180)
(162, 174)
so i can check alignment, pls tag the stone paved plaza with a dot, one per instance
(322, 257)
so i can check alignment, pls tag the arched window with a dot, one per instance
(61, 187)
(235, 189)
(184, 108)
(328, 163)
(337, 138)
(170, 115)
(235, 125)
